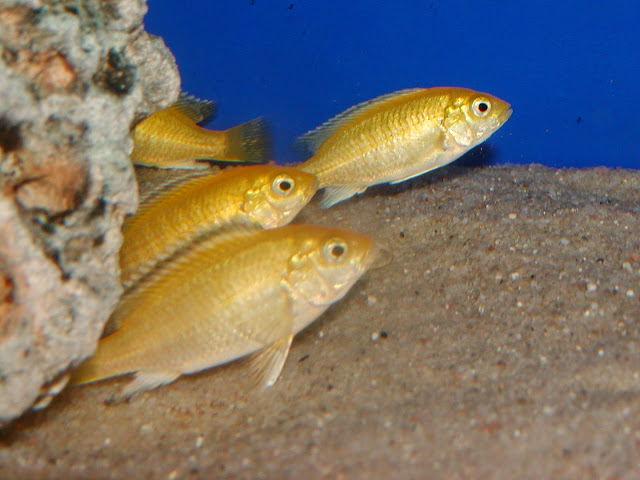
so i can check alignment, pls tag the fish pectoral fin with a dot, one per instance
(338, 193)
(196, 109)
(144, 381)
(267, 364)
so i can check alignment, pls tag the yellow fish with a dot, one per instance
(171, 138)
(268, 196)
(399, 136)
(227, 296)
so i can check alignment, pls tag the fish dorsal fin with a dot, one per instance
(196, 109)
(166, 189)
(316, 137)
(221, 243)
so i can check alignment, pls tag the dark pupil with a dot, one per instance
(483, 107)
(337, 250)
(285, 185)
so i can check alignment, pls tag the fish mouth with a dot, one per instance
(505, 115)
(379, 256)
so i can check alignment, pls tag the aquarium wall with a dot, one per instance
(570, 69)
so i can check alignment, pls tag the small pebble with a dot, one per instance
(375, 336)
(371, 300)
(199, 441)
(564, 241)
(146, 428)
(591, 287)
(515, 276)
(513, 216)
(630, 293)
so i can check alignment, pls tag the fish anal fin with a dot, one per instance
(313, 139)
(196, 109)
(143, 381)
(335, 194)
(267, 364)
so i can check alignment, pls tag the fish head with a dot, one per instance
(278, 194)
(472, 117)
(326, 267)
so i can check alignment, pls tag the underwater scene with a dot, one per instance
(567, 68)
(319, 239)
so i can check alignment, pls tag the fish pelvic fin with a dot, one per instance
(338, 193)
(250, 142)
(266, 365)
(313, 139)
(143, 382)
(196, 109)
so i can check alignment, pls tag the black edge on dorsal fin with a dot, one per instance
(196, 109)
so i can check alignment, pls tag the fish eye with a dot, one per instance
(283, 185)
(335, 250)
(481, 107)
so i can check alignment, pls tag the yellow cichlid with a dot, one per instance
(268, 196)
(171, 138)
(227, 296)
(399, 136)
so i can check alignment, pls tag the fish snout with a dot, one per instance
(505, 115)
(379, 255)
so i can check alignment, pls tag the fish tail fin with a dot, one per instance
(250, 142)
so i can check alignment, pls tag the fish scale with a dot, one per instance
(171, 138)
(228, 295)
(398, 136)
(170, 219)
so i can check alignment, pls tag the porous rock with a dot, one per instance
(74, 77)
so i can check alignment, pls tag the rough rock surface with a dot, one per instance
(502, 342)
(74, 76)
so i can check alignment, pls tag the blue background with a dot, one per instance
(570, 69)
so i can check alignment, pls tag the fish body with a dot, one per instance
(399, 136)
(268, 196)
(171, 138)
(227, 296)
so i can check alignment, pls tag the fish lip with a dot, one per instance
(379, 256)
(505, 115)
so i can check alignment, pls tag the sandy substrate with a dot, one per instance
(502, 342)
